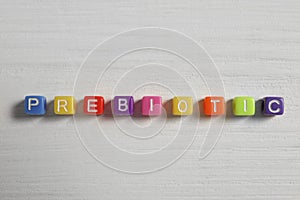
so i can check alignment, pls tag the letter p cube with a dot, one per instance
(35, 105)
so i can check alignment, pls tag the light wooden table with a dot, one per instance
(256, 46)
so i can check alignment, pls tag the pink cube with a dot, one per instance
(151, 105)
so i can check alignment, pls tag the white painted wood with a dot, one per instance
(256, 45)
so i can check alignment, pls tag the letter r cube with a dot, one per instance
(64, 105)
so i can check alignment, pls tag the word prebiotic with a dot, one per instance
(152, 105)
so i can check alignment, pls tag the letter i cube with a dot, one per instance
(243, 106)
(93, 105)
(151, 105)
(35, 105)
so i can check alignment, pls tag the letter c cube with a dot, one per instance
(273, 106)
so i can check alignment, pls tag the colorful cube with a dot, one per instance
(182, 105)
(35, 105)
(64, 105)
(151, 105)
(273, 106)
(214, 106)
(243, 106)
(123, 105)
(93, 105)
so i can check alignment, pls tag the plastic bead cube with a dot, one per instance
(273, 106)
(35, 105)
(214, 106)
(151, 105)
(64, 105)
(243, 106)
(182, 105)
(123, 105)
(93, 105)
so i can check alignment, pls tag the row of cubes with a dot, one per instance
(152, 105)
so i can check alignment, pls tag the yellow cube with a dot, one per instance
(182, 105)
(64, 105)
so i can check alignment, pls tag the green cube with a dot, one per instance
(243, 106)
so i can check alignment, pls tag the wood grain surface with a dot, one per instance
(256, 46)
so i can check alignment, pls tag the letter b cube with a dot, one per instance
(123, 105)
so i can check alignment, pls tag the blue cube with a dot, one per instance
(35, 105)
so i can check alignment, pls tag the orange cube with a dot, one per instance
(214, 106)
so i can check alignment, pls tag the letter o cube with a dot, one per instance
(182, 105)
(123, 105)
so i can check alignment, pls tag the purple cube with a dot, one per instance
(123, 105)
(273, 106)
